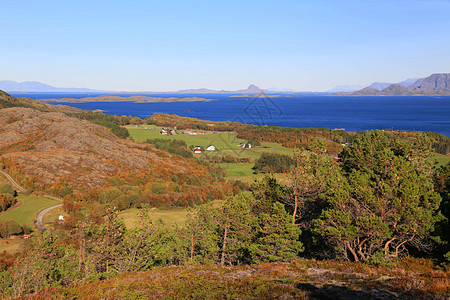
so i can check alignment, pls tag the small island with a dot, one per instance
(135, 99)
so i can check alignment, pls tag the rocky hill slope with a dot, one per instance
(51, 146)
(434, 84)
(50, 149)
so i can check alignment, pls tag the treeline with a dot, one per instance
(174, 146)
(273, 163)
(112, 122)
(99, 116)
(7, 197)
(441, 143)
(8, 101)
(115, 129)
(227, 159)
(11, 227)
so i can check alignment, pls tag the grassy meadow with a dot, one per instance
(27, 212)
(440, 159)
(226, 143)
(172, 217)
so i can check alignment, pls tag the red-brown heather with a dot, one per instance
(51, 150)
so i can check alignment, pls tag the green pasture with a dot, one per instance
(226, 143)
(27, 212)
(171, 217)
(440, 159)
(238, 170)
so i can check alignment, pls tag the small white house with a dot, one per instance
(211, 148)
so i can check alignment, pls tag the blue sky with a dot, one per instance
(171, 45)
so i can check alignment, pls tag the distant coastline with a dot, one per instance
(135, 99)
(259, 95)
(352, 113)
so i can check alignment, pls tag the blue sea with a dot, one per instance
(414, 113)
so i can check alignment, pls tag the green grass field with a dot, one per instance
(175, 216)
(238, 170)
(441, 159)
(226, 143)
(28, 211)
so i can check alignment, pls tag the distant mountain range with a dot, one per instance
(345, 88)
(382, 85)
(252, 89)
(376, 85)
(38, 87)
(435, 84)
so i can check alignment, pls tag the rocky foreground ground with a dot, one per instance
(303, 279)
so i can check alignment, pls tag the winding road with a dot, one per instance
(41, 215)
(13, 182)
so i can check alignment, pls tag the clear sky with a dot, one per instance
(173, 44)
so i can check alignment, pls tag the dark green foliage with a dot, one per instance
(178, 147)
(8, 101)
(273, 163)
(121, 132)
(8, 228)
(241, 230)
(8, 190)
(276, 238)
(112, 122)
(7, 197)
(254, 143)
(6, 201)
(441, 143)
(267, 191)
(382, 201)
(442, 186)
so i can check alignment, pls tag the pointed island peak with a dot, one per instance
(252, 89)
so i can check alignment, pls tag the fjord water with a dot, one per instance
(414, 113)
